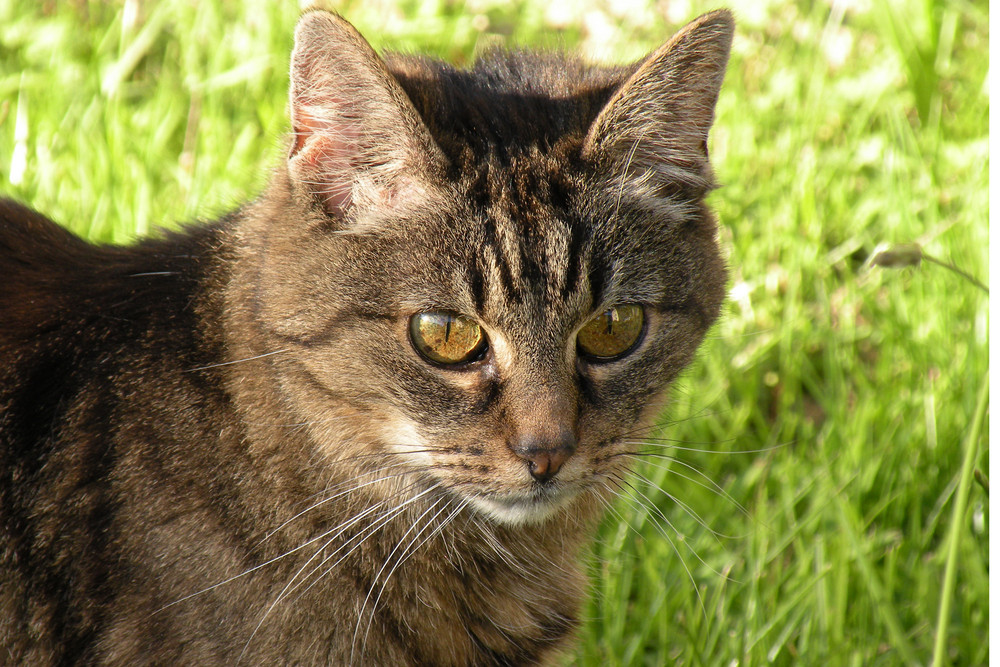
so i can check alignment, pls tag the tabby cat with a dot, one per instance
(373, 416)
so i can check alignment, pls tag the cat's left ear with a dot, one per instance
(656, 125)
(358, 140)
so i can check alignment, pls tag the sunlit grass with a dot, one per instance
(832, 401)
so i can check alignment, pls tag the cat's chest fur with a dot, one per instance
(373, 416)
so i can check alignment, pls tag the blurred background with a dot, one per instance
(817, 494)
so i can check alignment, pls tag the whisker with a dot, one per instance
(399, 561)
(264, 564)
(650, 504)
(677, 443)
(236, 361)
(331, 498)
(353, 459)
(712, 485)
(502, 552)
(684, 506)
(647, 443)
(370, 530)
(701, 602)
(288, 589)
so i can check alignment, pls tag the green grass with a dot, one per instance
(834, 405)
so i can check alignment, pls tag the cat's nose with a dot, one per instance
(545, 455)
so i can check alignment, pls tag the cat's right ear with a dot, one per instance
(358, 140)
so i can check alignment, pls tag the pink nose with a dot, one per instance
(545, 456)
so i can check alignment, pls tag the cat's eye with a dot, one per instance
(446, 337)
(612, 334)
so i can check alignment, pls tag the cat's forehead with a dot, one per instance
(510, 101)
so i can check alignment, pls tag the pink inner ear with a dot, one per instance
(327, 153)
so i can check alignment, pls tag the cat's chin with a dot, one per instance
(521, 508)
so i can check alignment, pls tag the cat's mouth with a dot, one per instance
(527, 507)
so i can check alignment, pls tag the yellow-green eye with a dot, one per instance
(612, 334)
(445, 337)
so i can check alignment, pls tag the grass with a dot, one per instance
(818, 490)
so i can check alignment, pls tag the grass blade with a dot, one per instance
(954, 535)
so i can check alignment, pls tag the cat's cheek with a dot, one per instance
(401, 437)
(653, 409)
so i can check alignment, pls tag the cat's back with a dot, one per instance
(54, 282)
(38, 262)
(79, 320)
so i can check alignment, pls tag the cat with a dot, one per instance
(373, 416)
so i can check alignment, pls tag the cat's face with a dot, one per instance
(500, 323)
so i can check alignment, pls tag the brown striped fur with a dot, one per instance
(221, 447)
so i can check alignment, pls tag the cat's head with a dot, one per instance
(487, 279)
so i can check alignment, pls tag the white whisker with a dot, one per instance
(365, 534)
(331, 498)
(712, 485)
(701, 602)
(236, 361)
(339, 530)
(262, 565)
(406, 553)
(647, 443)
(684, 506)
